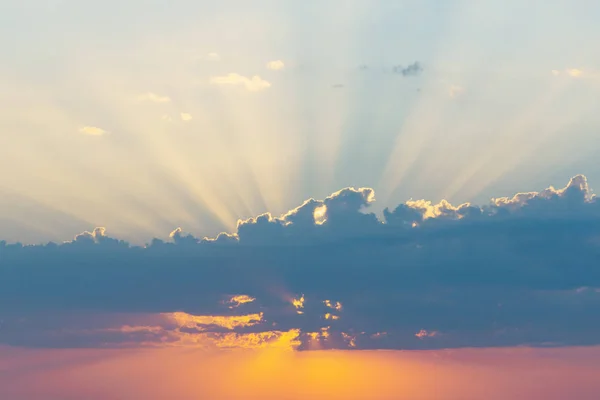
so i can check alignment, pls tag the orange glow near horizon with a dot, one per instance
(269, 374)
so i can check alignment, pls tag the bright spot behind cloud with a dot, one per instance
(186, 117)
(254, 84)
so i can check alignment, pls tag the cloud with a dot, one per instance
(254, 84)
(338, 86)
(185, 117)
(520, 270)
(573, 72)
(213, 57)
(413, 69)
(455, 91)
(153, 97)
(276, 65)
(92, 131)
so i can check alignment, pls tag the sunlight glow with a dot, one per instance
(185, 320)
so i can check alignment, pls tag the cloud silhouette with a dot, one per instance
(413, 69)
(521, 270)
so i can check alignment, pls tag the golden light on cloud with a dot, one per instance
(281, 340)
(92, 131)
(153, 97)
(350, 339)
(238, 300)
(298, 304)
(331, 316)
(422, 334)
(320, 215)
(185, 117)
(335, 306)
(276, 65)
(574, 72)
(254, 84)
(186, 320)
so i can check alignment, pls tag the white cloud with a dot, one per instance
(153, 97)
(213, 57)
(186, 117)
(455, 91)
(254, 84)
(92, 131)
(276, 65)
(574, 72)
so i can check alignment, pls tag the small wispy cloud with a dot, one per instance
(185, 117)
(276, 65)
(213, 57)
(92, 131)
(574, 72)
(455, 91)
(166, 118)
(153, 97)
(254, 84)
(413, 69)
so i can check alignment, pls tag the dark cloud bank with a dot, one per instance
(523, 270)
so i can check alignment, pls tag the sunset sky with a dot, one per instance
(344, 199)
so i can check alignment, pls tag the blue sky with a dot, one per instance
(113, 113)
(277, 178)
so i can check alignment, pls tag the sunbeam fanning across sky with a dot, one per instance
(280, 199)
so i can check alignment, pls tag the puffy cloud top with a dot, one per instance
(521, 270)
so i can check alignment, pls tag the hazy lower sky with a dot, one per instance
(143, 116)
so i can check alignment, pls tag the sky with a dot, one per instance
(266, 196)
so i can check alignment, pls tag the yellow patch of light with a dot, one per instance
(336, 306)
(92, 131)
(238, 300)
(331, 316)
(280, 340)
(350, 339)
(287, 340)
(320, 214)
(574, 72)
(298, 303)
(185, 320)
